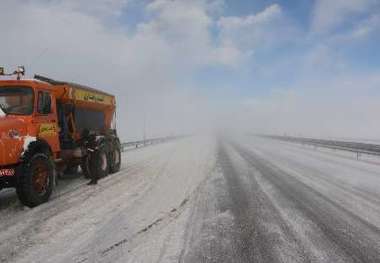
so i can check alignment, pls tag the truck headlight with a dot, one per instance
(21, 70)
(14, 134)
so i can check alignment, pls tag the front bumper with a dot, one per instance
(7, 172)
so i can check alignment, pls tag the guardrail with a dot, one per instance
(137, 144)
(355, 147)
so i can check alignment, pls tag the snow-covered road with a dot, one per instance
(201, 199)
(298, 204)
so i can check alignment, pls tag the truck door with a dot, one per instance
(46, 119)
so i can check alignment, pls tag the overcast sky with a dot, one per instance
(308, 68)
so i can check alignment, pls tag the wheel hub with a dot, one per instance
(40, 177)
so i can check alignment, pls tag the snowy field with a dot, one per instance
(203, 199)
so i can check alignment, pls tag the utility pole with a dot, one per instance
(144, 135)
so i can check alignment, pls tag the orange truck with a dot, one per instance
(50, 127)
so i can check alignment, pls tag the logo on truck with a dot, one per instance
(47, 129)
(93, 97)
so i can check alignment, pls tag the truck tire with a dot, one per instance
(36, 180)
(98, 164)
(115, 157)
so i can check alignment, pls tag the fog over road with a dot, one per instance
(204, 199)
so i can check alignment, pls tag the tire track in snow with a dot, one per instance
(358, 239)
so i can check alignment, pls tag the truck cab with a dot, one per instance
(48, 127)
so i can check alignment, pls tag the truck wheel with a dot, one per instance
(115, 160)
(36, 180)
(98, 163)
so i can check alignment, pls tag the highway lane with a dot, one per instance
(293, 204)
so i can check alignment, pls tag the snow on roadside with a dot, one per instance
(120, 217)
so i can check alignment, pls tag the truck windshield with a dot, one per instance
(16, 100)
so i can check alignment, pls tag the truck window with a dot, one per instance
(44, 103)
(16, 100)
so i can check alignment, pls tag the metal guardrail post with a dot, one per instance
(146, 142)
